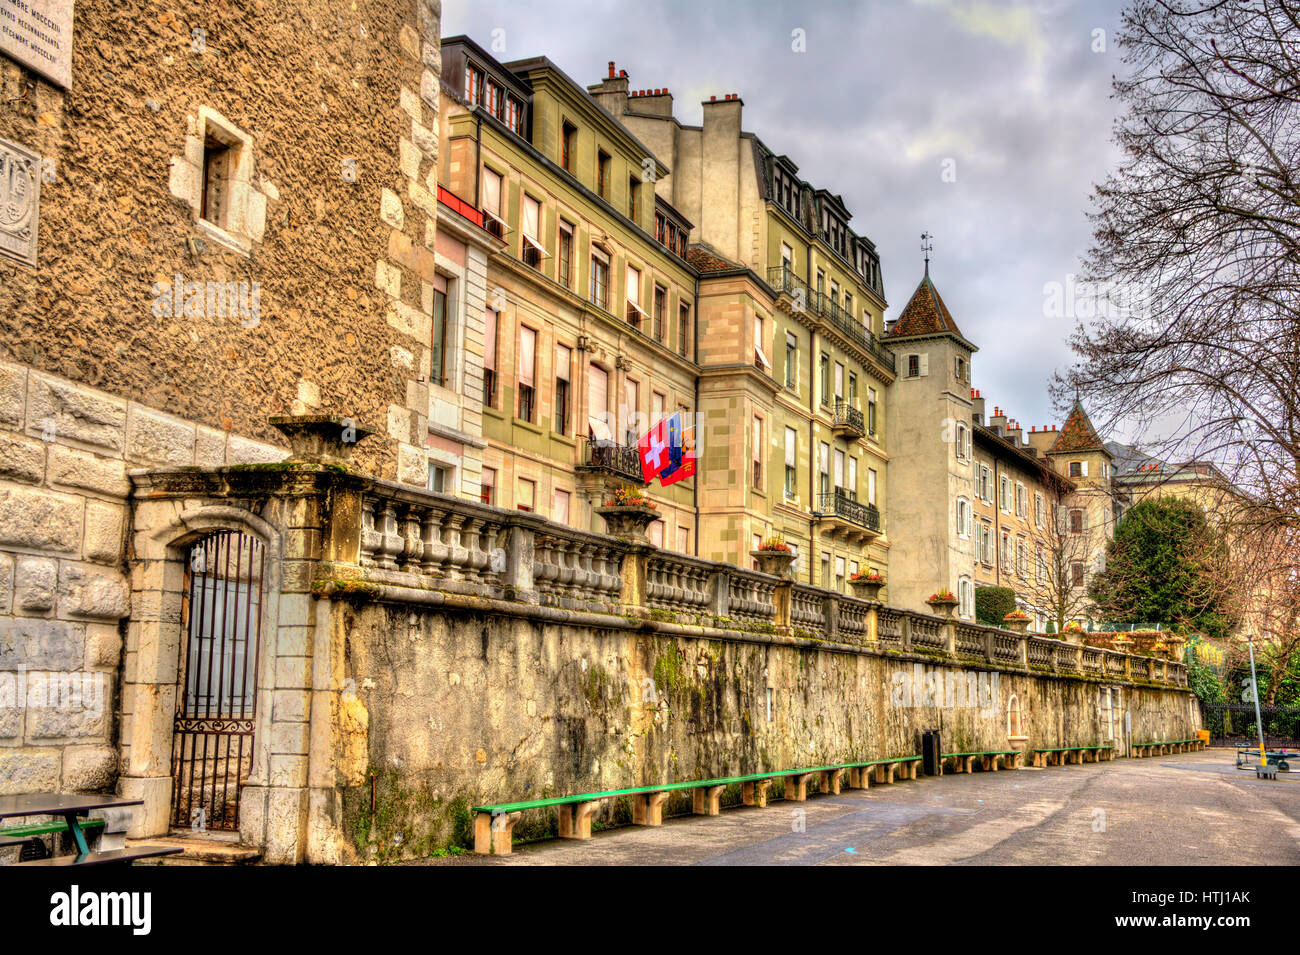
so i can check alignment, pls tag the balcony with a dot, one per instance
(805, 300)
(841, 515)
(610, 458)
(848, 420)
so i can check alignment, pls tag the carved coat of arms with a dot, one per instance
(20, 192)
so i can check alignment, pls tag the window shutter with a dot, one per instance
(1085, 468)
(598, 402)
(489, 339)
(925, 365)
(527, 355)
(492, 192)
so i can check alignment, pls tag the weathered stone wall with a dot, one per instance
(461, 709)
(64, 454)
(313, 85)
(329, 237)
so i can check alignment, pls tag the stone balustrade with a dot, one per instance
(464, 547)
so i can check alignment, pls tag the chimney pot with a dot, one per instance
(713, 99)
(611, 69)
(622, 73)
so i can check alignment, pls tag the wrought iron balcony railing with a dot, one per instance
(615, 458)
(849, 418)
(783, 279)
(840, 505)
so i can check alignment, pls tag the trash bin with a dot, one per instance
(931, 753)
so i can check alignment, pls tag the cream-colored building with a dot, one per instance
(587, 308)
(794, 380)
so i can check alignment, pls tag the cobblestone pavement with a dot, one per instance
(1188, 809)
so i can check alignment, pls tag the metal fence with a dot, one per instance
(1233, 724)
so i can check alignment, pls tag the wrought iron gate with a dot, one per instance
(212, 747)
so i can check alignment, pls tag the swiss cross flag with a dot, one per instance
(655, 452)
(664, 454)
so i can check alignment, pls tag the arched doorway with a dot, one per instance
(216, 693)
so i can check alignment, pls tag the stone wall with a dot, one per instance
(422, 654)
(334, 108)
(465, 708)
(65, 450)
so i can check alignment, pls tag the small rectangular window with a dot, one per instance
(568, 146)
(602, 174)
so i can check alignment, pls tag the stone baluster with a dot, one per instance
(370, 538)
(390, 544)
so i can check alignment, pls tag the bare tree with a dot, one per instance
(1060, 555)
(1196, 254)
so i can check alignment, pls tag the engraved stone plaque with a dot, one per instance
(38, 34)
(20, 196)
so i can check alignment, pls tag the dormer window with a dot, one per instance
(473, 85)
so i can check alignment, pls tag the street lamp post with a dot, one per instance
(1254, 692)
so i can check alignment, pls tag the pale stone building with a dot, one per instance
(794, 381)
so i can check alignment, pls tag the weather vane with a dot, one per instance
(927, 246)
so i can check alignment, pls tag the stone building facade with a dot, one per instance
(587, 315)
(794, 382)
(237, 219)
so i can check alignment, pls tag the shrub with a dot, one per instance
(992, 604)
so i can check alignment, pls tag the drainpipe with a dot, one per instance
(695, 357)
(812, 441)
(478, 155)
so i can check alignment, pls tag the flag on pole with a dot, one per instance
(681, 464)
(665, 453)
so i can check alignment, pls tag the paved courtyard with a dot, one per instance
(1187, 809)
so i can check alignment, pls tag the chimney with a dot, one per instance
(657, 102)
(611, 92)
(720, 151)
(1040, 439)
(977, 412)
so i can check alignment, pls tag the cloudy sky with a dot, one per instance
(1010, 99)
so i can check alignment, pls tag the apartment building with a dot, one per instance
(588, 302)
(793, 376)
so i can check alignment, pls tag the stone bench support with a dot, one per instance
(705, 800)
(831, 780)
(859, 777)
(755, 793)
(648, 809)
(492, 834)
(796, 787)
(575, 819)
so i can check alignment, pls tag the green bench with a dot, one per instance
(988, 760)
(1060, 755)
(494, 825)
(1167, 747)
(21, 835)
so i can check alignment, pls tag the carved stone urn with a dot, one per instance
(865, 587)
(943, 606)
(1018, 624)
(628, 521)
(774, 562)
(321, 439)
